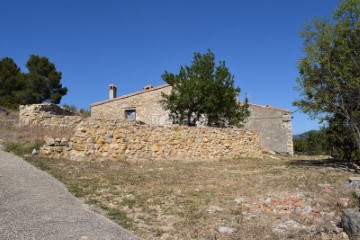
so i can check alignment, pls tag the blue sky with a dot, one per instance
(131, 43)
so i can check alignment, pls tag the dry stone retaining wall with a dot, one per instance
(48, 115)
(94, 139)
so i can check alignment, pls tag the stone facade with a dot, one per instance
(145, 103)
(48, 115)
(116, 139)
(273, 124)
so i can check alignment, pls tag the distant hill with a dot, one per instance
(303, 136)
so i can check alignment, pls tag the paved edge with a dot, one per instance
(35, 205)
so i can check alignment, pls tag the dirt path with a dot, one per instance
(34, 205)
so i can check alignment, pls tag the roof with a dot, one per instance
(269, 107)
(131, 94)
(165, 86)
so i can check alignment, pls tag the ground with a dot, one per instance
(252, 198)
(269, 198)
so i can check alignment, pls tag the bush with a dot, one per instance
(21, 149)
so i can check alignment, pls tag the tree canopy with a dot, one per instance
(204, 91)
(40, 84)
(9, 83)
(329, 81)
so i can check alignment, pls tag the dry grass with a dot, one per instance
(171, 199)
(30, 136)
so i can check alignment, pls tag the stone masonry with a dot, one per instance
(146, 104)
(273, 124)
(48, 115)
(119, 139)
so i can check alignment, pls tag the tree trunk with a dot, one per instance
(189, 118)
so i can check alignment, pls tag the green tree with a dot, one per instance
(341, 142)
(9, 83)
(42, 82)
(300, 146)
(329, 81)
(204, 90)
(314, 142)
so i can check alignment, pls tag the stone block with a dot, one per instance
(50, 141)
(350, 222)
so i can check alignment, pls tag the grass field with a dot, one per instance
(269, 198)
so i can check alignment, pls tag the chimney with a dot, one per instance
(147, 87)
(112, 91)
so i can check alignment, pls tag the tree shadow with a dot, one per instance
(329, 163)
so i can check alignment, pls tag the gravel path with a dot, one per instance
(34, 205)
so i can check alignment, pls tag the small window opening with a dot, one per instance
(130, 115)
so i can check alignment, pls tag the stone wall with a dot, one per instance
(48, 115)
(94, 139)
(274, 126)
(146, 104)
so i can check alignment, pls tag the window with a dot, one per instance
(130, 115)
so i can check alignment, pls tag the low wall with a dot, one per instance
(94, 139)
(48, 115)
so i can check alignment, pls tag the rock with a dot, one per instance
(267, 202)
(64, 142)
(350, 222)
(354, 179)
(50, 141)
(354, 182)
(327, 190)
(344, 236)
(298, 203)
(45, 151)
(81, 129)
(239, 200)
(337, 230)
(343, 202)
(34, 151)
(271, 152)
(287, 225)
(271, 156)
(214, 209)
(114, 146)
(224, 229)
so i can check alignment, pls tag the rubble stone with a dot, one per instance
(48, 115)
(94, 139)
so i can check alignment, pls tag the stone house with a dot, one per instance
(273, 124)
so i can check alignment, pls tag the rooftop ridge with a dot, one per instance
(131, 94)
(167, 85)
(270, 107)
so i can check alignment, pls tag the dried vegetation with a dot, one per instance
(269, 198)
